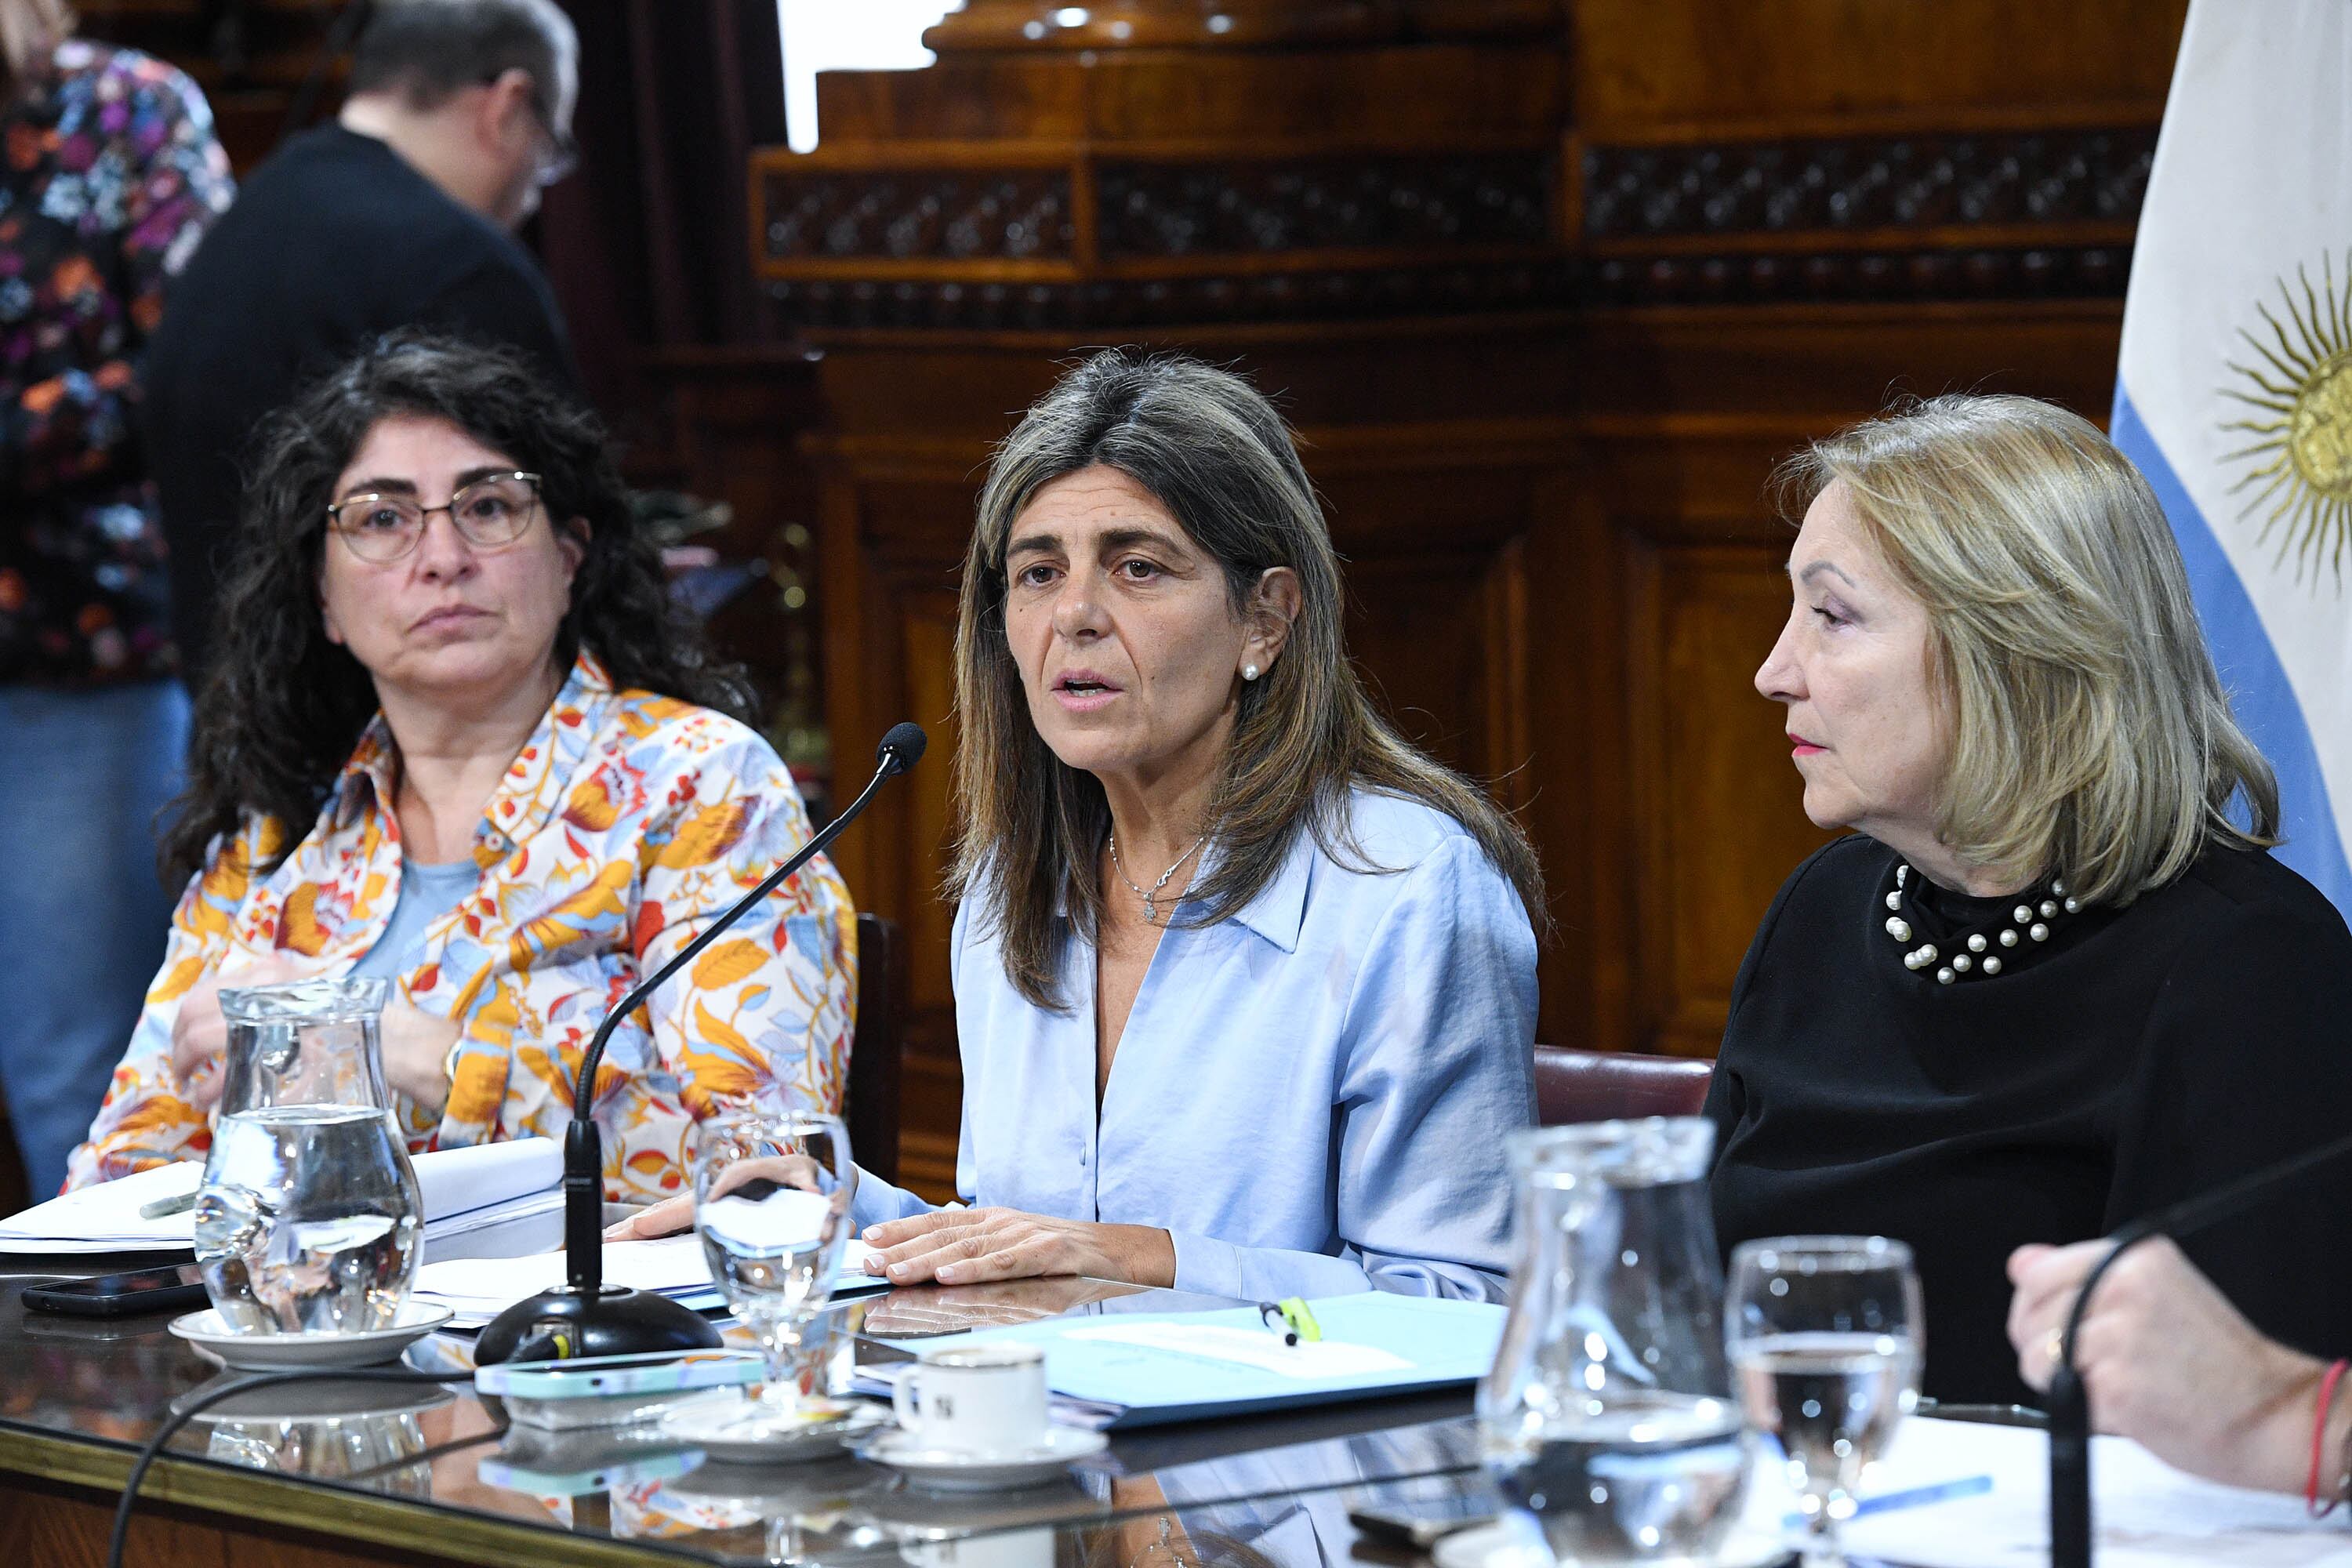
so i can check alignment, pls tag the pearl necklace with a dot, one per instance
(2029, 921)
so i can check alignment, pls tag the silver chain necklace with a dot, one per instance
(1150, 900)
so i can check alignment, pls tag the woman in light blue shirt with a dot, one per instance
(1245, 985)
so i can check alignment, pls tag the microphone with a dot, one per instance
(583, 1318)
(2070, 1402)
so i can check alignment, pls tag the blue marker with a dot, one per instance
(1914, 1496)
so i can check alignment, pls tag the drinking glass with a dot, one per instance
(1826, 1336)
(308, 1219)
(1608, 1417)
(772, 1193)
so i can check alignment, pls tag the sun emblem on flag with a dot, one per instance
(2301, 391)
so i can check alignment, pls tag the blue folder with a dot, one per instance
(1443, 1344)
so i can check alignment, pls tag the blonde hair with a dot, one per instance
(2091, 738)
(29, 29)
(1030, 827)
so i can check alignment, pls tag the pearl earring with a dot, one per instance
(1249, 672)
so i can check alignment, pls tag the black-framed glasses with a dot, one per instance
(562, 155)
(489, 514)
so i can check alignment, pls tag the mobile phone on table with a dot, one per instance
(174, 1288)
(1419, 1513)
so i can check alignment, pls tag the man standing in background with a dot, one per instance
(399, 215)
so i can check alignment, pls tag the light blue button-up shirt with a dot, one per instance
(1311, 1097)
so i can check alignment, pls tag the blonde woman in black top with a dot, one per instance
(2053, 980)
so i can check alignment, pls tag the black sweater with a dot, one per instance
(2136, 1056)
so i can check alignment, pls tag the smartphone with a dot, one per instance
(602, 1377)
(1419, 1516)
(174, 1288)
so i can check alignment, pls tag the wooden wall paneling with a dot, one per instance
(1713, 767)
(1642, 63)
(1699, 238)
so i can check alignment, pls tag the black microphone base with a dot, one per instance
(559, 1325)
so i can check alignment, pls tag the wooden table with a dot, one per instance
(362, 1473)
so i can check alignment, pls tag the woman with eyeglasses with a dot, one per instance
(457, 737)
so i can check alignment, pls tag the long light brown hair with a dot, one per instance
(2091, 738)
(1030, 828)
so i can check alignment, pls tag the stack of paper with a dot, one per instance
(478, 1288)
(466, 1191)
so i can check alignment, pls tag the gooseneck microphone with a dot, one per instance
(583, 1318)
(2070, 1402)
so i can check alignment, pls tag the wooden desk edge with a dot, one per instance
(234, 1494)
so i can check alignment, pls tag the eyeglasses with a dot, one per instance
(489, 514)
(562, 155)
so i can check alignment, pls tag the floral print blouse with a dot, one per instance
(625, 825)
(109, 174)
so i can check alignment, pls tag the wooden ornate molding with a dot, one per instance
(1022, 236)
(2047, 214)
(1917, 184)
(1047, 236)
(1032, 24)
(2055, 271)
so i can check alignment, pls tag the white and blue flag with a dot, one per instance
(2235, 392)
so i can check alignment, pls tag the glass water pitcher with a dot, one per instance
(308, 1219)
(1608, 1417)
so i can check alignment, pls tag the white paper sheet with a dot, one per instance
(2146, 1514)
(462, 1188)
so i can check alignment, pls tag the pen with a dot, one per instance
(1911, 1497)
(159, 1208)
(1291, 1319)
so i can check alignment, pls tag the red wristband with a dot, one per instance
(2319, 1442)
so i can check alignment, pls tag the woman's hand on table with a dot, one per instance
(2167, 1362)
(968, 1247)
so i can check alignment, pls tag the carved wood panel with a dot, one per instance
(1723, 829)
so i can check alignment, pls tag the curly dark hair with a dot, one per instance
(283, 706)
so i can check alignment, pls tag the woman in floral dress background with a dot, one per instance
(110, 172)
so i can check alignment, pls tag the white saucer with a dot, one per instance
(273, 1352)
(1507, 1544)
(954, 1470)
(745, 1432)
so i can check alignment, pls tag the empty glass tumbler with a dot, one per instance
(309, 1218)
(1608, 1417)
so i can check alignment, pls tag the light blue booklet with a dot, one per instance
(1143, 1369)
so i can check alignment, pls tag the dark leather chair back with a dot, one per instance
(13, 1195)
(1604, 1086)
(877, 1047)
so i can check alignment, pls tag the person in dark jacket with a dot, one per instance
(399, 215)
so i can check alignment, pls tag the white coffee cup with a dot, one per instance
(982, 1399)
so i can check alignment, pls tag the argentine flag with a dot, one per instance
(2235, 391)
